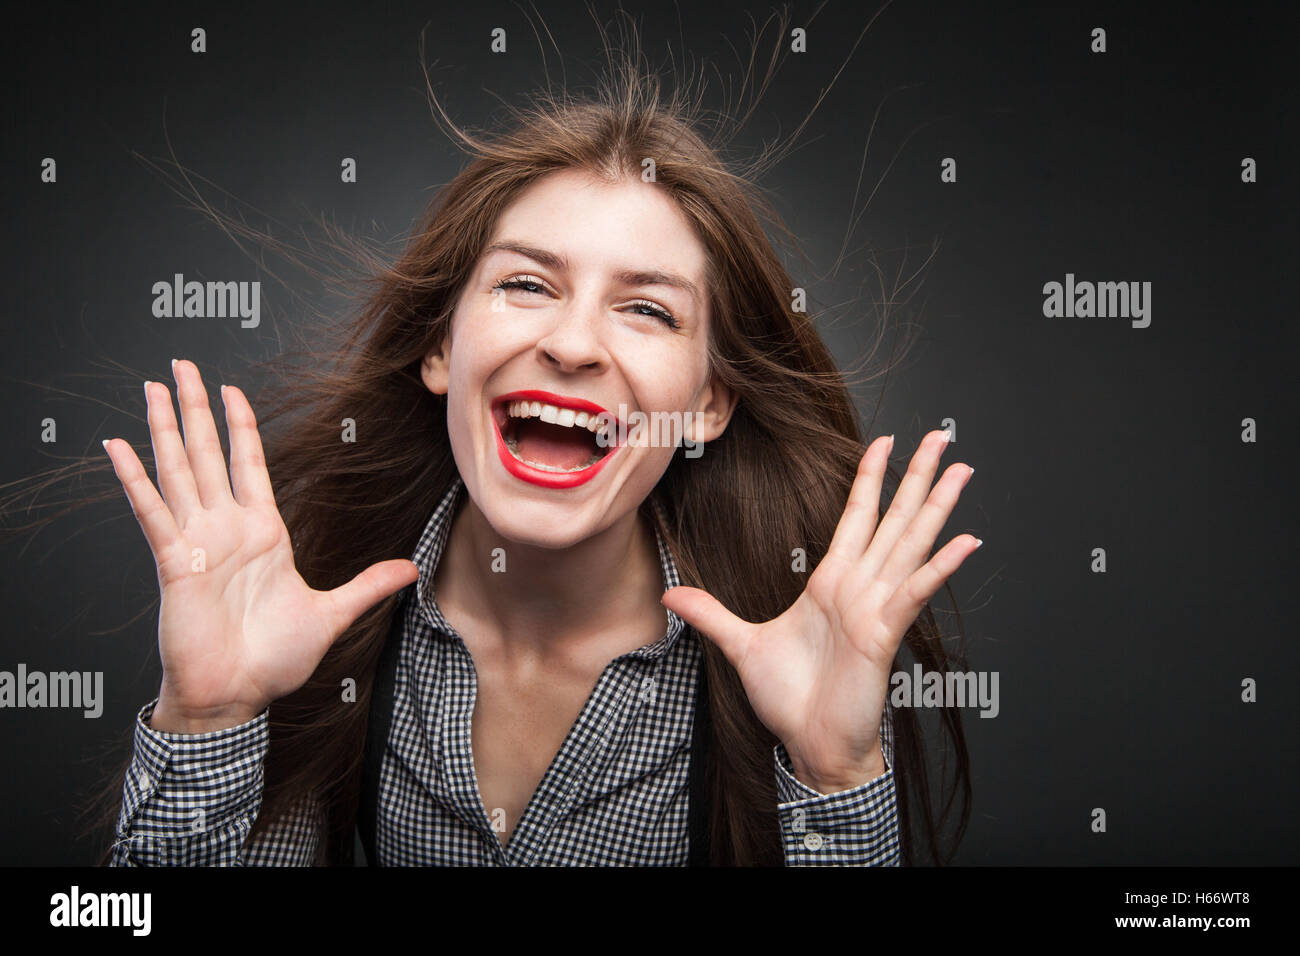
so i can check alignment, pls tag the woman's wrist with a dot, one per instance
(843, 777)
(168, 719)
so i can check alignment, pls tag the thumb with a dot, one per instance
(349, 601)
(702, 611)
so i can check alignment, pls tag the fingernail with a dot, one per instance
(891, 442)
(105, 443)
(223, 391)
(972, 471)
(978, 542)
(173, 367)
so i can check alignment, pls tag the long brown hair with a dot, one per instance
(776, 480)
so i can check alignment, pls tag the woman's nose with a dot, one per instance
(573, 343)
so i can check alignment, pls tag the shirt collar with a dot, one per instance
(433, 541)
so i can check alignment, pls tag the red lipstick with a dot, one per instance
(536, 476)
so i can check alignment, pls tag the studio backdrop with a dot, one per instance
(1066, 231)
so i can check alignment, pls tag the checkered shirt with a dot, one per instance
(615, 794)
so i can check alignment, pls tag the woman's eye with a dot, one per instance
(654, 310)
(650, 310)
(530, 285)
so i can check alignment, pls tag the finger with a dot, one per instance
(913, 548)
(702, 611)
(858, 523)
(174, 476)
(909, 497)
(202, 445)
(347, 602)
(155, 517)
(248, 476)
(906, 603)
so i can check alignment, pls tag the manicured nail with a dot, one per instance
(105, 443)
(979, 542)
(972, 471)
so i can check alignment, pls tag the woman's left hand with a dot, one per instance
(817, 675)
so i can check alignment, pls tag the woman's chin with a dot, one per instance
(536, 524)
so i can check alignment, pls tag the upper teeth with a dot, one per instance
(555, 415)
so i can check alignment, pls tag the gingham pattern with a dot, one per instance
(615, 794)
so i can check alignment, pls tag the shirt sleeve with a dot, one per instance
(857, 827)
(191, 800)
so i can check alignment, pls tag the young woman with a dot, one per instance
(548, 693)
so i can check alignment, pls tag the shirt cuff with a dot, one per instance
(857, 827)
(186, 788)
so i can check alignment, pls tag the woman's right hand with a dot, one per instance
(238, 627)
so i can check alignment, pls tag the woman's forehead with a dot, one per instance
(628, 226)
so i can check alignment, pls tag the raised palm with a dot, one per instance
(817, 675)
(238, 626)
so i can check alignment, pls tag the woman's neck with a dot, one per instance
(605, 588)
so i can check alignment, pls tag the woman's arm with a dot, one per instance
(238, 628)
(854, 827)
(191, 799)
(818, 675)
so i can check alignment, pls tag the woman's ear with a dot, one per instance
(434, 369)
(713, 410)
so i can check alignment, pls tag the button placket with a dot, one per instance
(596, 740)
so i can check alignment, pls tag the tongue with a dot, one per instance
(554, 445)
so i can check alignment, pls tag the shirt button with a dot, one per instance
(144, 780)
(813, 841)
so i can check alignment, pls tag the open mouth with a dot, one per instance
(554, 435)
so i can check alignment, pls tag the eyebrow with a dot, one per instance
(627, 276)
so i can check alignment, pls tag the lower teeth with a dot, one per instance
(514, 450)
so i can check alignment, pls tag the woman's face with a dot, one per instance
(602, 305)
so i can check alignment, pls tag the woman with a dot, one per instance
(594, 264)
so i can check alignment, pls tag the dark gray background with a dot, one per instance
(1119, 690)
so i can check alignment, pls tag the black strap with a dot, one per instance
(381, 717)
(698, 811)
